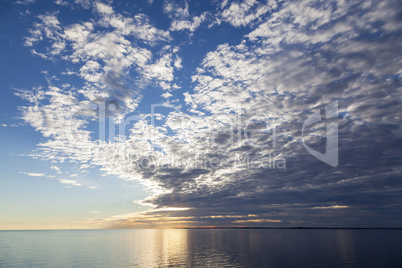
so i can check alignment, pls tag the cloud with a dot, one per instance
(246, 12)
(61, 2)
(107, 61)
(49, 28)
(25, 2)
(70, 182)
(56, 168)
(33, 174)
(176, 9)
(158, 218)
(191, 25)
(331, 207)
(234, 147)
(103, 8)
(257, 221)
(95, 211)
(181, 19)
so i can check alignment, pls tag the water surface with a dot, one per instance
(201, 248)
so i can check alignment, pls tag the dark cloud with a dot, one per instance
(358, 67)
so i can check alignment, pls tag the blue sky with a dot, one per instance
(132, 114)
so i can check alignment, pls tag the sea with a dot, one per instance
(202, 248)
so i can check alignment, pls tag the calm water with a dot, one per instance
(201, 248)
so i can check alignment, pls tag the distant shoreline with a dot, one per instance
(222, 228)
(341, 228)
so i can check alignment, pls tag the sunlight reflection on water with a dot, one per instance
(201, 248)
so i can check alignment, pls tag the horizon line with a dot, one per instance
(203, 227)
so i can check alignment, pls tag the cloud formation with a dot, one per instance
(232, 150)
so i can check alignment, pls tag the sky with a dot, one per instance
(161, 114)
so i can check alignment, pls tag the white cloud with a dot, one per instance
(84, 3)
(246, 12)
(176, 10)
(49, 28)
(61, 2)
(106, 59)
(70, 182)
(224, 3)
(191, 25)
(56, 168)
(95, 211)
(33, 174)
(166, 95)
(161, 70)
(177, 63)
(25, 2)
(104, 9)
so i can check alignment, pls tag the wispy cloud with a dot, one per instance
(191, 25)
(176, 9)
(33, 174)
(95, 211)
(246, 12)
(70, 182)
(331, 207)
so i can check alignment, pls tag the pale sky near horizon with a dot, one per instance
(137, 114)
